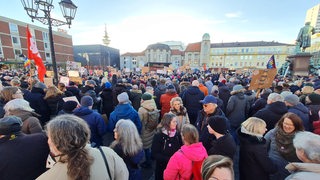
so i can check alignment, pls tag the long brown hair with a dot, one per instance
(296, 120)
(70, 134)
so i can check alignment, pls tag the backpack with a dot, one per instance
(196, 168)
(153, 119)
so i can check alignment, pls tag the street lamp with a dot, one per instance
(68, 11)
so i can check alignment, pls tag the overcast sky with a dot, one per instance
(134, 24)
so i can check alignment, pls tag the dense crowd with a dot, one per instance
(182, 126)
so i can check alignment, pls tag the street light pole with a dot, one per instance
(68, 10)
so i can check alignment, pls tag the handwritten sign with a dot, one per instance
(262, 79)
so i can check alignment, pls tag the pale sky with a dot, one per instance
(132, 25)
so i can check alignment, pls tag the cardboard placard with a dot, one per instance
(49, 73)
(48, 81)
(76, 79)
(73, 73)
(262, 79)
(144, 70)
(71, 98)
(64, 80)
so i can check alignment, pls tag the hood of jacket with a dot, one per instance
(194, 152)
(23, 114)
(239, 95)
(123, 111)
(300, 107)
(161, 87)
(278, 107)
(82, 111)
(193, 90)
(149, 105)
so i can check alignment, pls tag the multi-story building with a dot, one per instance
(13, 43)
(313, 16)
(132, 60)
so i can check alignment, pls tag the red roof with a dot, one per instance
(176, 52)
(133, 54)
(193, 47)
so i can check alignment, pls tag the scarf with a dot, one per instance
(284, 143)
(170, 133)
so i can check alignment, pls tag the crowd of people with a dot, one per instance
(182, 126)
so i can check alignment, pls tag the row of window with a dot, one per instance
(242, 64)
(245, 50)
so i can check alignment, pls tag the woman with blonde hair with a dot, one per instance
(254, 162)
(128, 146)
(180, 111)
(22, 109)
(190, 154)
(217, 167)
(54, 100)
(68, 138)
(166, 142)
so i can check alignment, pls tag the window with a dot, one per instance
(48, 55)
(46, 46)
(13, 28)
(15, 40)
(1, 54)
(45, 36)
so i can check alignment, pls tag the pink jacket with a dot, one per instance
(180, 163)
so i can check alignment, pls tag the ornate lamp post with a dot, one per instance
(68, 9)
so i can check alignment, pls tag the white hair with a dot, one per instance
(309, 143)
(17, 104)
(274, 97)
(195, 83)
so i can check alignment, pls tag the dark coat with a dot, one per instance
(107, 101)
(158, 91)
(23, 158)
(254, 162)
(237, 109)
(257, 105)
(131, 162)
(225, 146)
(55, 104)
(75, 91)
(96, 124)
(272, 113)
(201, 124)
(116, 90)
(303, 112)
(224, 95)
(163, 147)
(191, 100)
(35, 98)
(135, 98)
(313, 109)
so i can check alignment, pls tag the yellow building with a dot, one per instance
(240, 55)
(313, 17)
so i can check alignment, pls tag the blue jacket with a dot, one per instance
(124, 111)
(96, 123)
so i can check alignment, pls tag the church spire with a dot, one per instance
(106, 40)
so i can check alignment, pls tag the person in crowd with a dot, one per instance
(15, 82)
(150, 90)
(191, 100)
(147, 105)
(159, 90)
(280, 138)
(296, 107)
(208, 83)
(107, 99)
(166, 98)
(254, 162)
(135, 97)
(180, 111)
(94, 119)
(224, 93)
(223, 144)
(37, 102)
(261, 102)
(210, 108)
(54, 99)
(317, 89)
(73, 88)
(305, 91)
(237, 108)
(22, 156)
(183, 86)
(308, 151)
(89, 90)
(124, 110)
(68, 138)
(181, 162)
(68, 107)
(7, 94)
(166, 142)
(217, 167)
(22, 109)
(117, 89)
(313, 103)
(128, 146)
(316, 125)
(203, 89)
(273, 111)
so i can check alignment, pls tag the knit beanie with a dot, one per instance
(314, 98)
(10, 124)
(123, 98)
(86, 101)
(69, 106)
(218, 124)
(292, 99)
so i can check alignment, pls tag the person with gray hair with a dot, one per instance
(273, 111)
(308, 151)
(68, 139)
(22, 109)
(128, 146)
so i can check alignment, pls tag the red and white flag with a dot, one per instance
(34, 55)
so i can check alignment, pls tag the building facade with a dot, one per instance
(313, 16)
(13, 42)
(97, 56)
